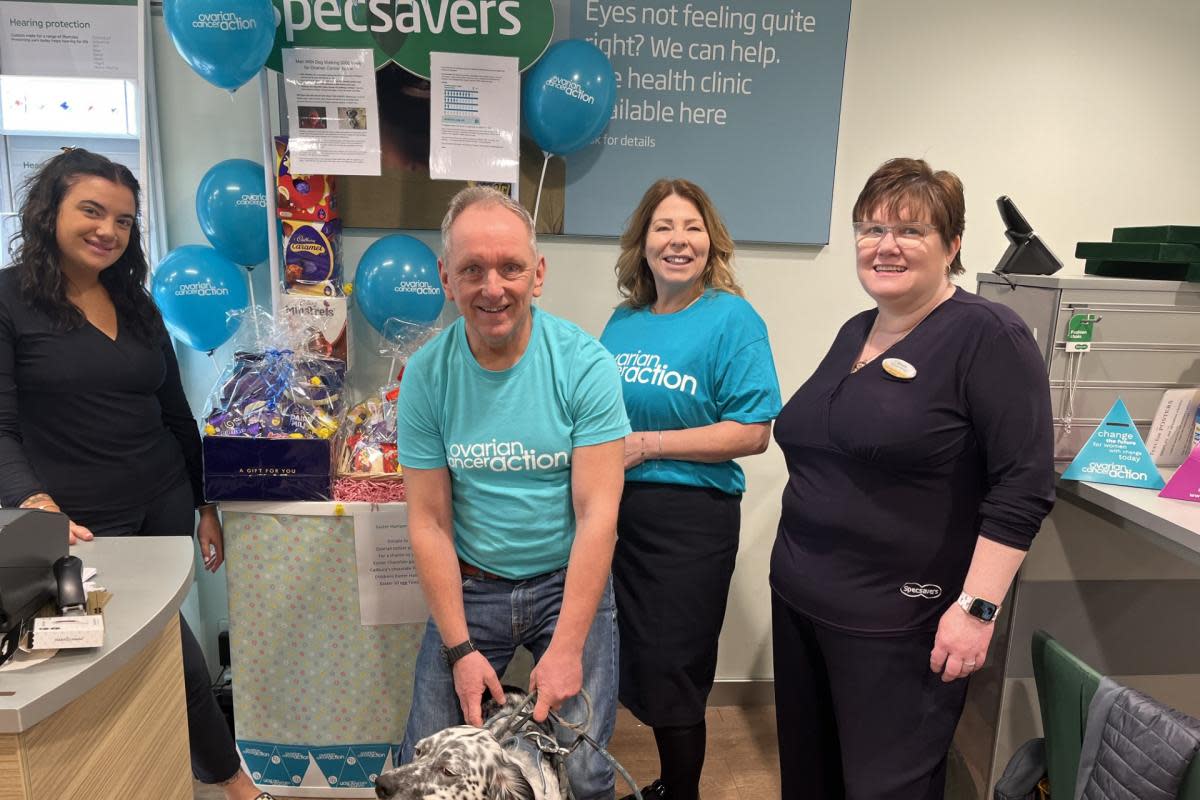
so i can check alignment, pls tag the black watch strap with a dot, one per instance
(451, 655)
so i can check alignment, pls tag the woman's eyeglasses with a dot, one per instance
(906, 234)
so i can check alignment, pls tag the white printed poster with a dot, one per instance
(389, 592)
(73, 40)
(333, 115)
(475, 118)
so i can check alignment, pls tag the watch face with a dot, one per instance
(984, 610)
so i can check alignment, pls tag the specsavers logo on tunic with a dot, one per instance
(924, 591)
(650, 369)
(497, 456)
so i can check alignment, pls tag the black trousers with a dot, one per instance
(859, 717)
(214, 755)
(676, 548)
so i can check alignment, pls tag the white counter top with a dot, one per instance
(1175, 523)
(149, 577)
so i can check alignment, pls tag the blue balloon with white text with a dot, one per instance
(197, 289)
(225, 41)
(568, 96)
(397, 277)
(231, 204)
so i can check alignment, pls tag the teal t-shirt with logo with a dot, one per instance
(507, 438)
(706, 363)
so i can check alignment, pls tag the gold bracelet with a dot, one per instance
(660, 445)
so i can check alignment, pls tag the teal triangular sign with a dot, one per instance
(257, 756)
(276, 772)
(1116, 454)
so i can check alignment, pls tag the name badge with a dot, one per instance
(899, 368)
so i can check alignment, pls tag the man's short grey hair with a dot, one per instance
(484, 195)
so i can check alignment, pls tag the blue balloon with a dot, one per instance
(196, 288)
(231, 204)
(397, 277)
(225, 41)
(568, 96)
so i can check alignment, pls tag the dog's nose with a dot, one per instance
(384, 787)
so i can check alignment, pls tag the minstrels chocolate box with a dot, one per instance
(323, 323)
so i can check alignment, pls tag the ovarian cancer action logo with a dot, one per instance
(416, 287)
(497, 456)
(204, 289)
(224, 21)
(570, 88)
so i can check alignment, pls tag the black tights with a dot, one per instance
(681, 756)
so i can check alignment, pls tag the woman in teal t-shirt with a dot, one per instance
(700, 389)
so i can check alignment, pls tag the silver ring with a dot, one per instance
(969, 664)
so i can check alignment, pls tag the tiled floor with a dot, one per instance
(742, 760)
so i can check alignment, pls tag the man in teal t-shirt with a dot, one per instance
(511, 429)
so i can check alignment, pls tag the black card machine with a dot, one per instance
(1027, 254)
(30, 544)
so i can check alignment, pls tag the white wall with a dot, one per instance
(1084, 112)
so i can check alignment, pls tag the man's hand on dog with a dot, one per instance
(556, 678)
(472, 675)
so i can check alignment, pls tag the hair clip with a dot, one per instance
(68, 149)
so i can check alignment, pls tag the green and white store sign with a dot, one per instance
(407, 31)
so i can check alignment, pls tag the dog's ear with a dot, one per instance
(510, 783)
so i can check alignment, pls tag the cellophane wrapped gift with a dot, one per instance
(367, 463)
(271, 418)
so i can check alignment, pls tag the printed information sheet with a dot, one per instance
(475, 118)
(333, 116)
(389, 592)
(72, 40)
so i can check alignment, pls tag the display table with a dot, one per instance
(1114, 575)
(108, 722)
(320, 700)
(1172, 524)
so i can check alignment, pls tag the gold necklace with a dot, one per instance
(860, 364)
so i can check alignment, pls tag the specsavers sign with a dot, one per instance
(406, 31)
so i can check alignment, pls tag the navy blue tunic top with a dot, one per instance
(890, 482)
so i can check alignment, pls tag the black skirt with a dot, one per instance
(676, 550)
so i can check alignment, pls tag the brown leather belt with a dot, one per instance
(472, 571)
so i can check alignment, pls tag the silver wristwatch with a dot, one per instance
(983, 610)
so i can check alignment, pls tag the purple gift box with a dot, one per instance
(239, 468)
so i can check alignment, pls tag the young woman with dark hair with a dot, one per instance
(94, 422)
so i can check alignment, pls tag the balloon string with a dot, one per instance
(253, 306)
(537, 203)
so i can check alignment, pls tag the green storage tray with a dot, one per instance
(1173, 234)
(1139, 251)
(1145, 270)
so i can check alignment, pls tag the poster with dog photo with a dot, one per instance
(331, 101)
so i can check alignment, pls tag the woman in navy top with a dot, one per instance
(920, 466)
(700, 389)
(93, 419)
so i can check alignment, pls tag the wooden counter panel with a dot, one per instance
(127, 738)
(12, 780)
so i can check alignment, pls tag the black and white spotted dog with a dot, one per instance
(469, 763)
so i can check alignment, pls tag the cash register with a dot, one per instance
(31, 542)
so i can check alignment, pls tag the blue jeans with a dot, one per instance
(501, 615)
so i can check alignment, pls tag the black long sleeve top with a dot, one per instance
(891, 482)
(98, 424)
